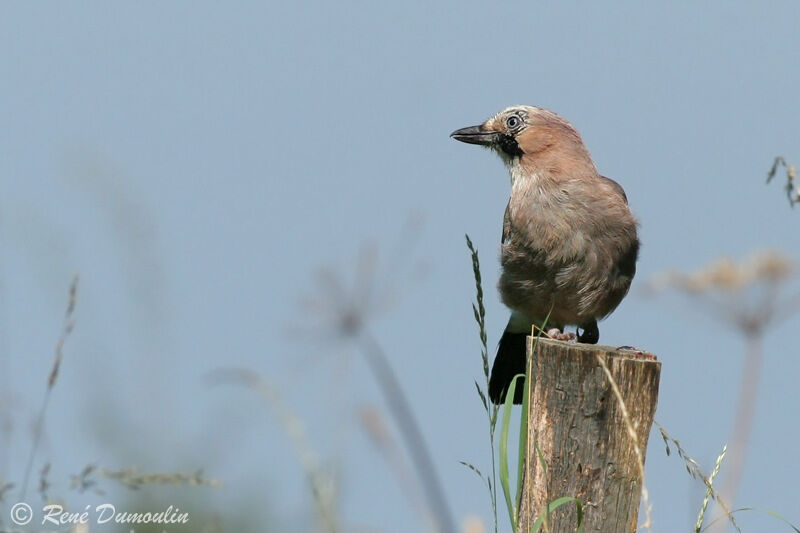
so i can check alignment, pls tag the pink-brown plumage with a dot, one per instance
(569, 245)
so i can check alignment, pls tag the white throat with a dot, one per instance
(515, 170)
(521, 178)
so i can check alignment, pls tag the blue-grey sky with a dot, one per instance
(197, 163)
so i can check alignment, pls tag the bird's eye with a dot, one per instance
(512, 122)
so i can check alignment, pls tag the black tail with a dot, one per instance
(509, 362)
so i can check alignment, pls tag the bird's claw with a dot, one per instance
(557, 334)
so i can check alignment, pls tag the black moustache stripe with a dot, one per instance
(508, 144)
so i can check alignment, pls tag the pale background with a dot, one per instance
(198, 162)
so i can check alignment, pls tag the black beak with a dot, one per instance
(474, 135)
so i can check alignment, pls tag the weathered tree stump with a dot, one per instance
(576, 420)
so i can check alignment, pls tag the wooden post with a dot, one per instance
(577, 422)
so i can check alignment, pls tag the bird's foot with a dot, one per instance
(557, 334)
(590, 333)
(636, 353)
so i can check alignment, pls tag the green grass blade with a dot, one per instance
(779, 517)
(504, 425)
(523, 435)
(555, 504)
(701, 516)
(765, 511)
(482, 396)
(523, 426)
(479, 311)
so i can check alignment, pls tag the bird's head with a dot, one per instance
(530, 138)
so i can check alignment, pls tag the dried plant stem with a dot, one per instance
(745, 414)
(636, 448)
(726, 285)
(322, 489)
(409, 429)
(38, 429)
(373, 423)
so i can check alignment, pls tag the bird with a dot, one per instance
(569, 244)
